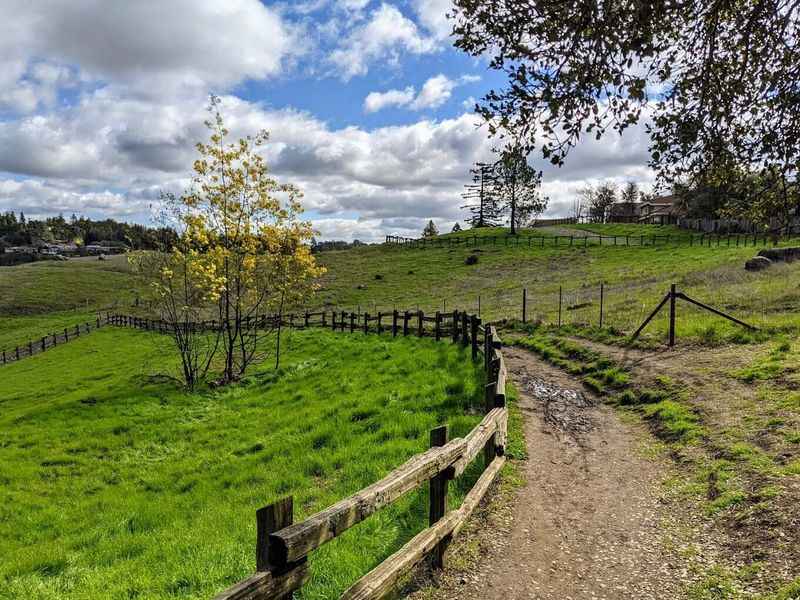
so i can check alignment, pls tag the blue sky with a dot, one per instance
(368, 104)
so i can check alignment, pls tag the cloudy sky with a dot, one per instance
(368, 105)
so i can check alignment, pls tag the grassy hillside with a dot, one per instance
(44, 297)
(117, 485)
(382, 277)
(46, 287)
(633, 229)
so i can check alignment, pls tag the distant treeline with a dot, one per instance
(19, 231)
(317, 246)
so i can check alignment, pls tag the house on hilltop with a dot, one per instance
(664, 210)
(625, 212)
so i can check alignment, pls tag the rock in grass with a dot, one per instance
(757, 263)
(471, 259)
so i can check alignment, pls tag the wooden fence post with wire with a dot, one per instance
(671, 296)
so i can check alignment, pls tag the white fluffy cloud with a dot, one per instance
(384, 36)
(139, 74)
(435, 91)
(357, 183)
(376, 101)
(433, 16)
(151, 46)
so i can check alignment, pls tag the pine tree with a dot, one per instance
(519, 186)
(430, 230)
(482, 202)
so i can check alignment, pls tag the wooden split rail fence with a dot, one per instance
(671, 297)
(733, 240)
(457, 325)
(283, 546)
(51, 340)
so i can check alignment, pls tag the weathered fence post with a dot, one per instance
(672, 315)
(44, 344)
(455, 326)
(394, 323)
(438, 498)
(66, 335)
(438, 326)
(270, 519)
(406, 316)
(17, 352)
(324, 324)
(366, 323)
(380, 324)
(490, 449)
(4, 357)
(487, 348)
(77, 330)
(524, 305)
(352, 322)
(464, 329)
(474, 322)
(305, 320)
(602, 298)
(30, 347)
(333, 320)
(420, 317)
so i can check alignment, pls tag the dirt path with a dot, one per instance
(587, 524)
(564, 231)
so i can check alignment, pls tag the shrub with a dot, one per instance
(649, 396)
(593, 384)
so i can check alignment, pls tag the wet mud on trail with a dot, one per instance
(588, 523)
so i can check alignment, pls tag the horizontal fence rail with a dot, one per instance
(712, 240)
(283, 546)
(48, 341)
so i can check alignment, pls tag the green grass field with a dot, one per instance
(383, 277)
(115, 484)
(45, 297)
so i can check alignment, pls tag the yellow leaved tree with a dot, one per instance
(242, 258)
